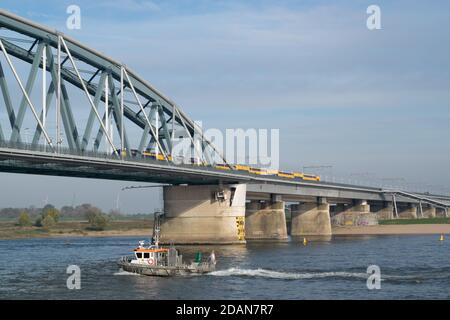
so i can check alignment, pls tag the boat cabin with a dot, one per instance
(155, 256)
(151, 257)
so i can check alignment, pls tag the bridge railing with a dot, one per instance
(61, 150)
(24, 146)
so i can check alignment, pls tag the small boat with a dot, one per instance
(155, 260)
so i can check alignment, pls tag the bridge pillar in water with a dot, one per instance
(358, 213)
(204, 214)
(265, 220)
(311, 219)
(408, 212)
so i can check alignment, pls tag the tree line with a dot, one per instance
(49, 216)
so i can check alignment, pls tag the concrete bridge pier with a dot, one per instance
(441, 212)
(429, 211)
(383, 211)
(200, 214)
(311, 219)
(357, 213)
(265, 220)
(408, 212)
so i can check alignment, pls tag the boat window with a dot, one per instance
(139, 255)
(146, 255)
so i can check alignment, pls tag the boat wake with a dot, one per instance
(125, 273)
(264, 273)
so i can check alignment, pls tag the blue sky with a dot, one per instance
(369, 103)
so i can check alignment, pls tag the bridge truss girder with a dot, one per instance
(105, 81)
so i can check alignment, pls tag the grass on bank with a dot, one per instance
(11, 230)
(437, 220)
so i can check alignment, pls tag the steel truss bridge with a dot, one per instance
(45, 76)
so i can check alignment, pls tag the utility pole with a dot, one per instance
(137, 187)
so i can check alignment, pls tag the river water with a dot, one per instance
(411, 267)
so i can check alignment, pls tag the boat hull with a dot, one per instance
(165, 271)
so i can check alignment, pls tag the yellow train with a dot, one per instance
(299, 175)
(241, 167)
(310, 177)
(284, 174)
(159, 156)
(269, 172)
(259, 171)
(222, 166)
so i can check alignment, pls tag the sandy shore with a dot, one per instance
(145, 232)
(393, 229)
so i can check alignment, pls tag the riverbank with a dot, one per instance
(9, 230)
(393, 229)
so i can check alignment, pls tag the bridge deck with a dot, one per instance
(103, 166)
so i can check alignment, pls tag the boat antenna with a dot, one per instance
(156, 227)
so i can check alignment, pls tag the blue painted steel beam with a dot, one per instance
(91, 118)
(89, 56)
(15, 135)
(99, 62)
(50, 93)
(7, 97)
(145, 133)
